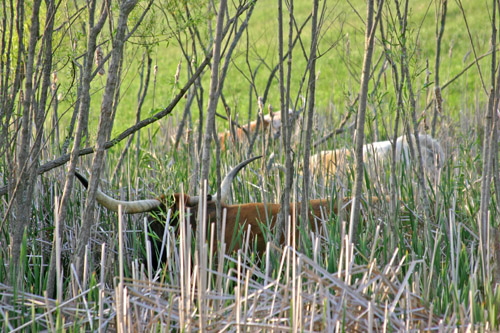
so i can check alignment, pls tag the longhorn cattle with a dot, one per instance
(335, 162)
(270, 122)
(238, 216)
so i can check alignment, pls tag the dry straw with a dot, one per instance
(206, 296)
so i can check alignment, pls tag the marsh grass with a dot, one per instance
(315, 283)
(401, 277)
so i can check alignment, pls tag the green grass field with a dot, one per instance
(339, 70)
(341, 47)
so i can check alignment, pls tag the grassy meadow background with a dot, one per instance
(402, 276)
(341, 46)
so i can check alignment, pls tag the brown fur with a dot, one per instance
(250, 128)
(327, 162)
(240, 216)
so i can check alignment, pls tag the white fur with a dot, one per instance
(432, 152)
(378, 153)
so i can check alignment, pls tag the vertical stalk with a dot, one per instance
(104, 130)
(438, 100)
(22, 201)
(213, 96)
(310, 112)
(371, 25)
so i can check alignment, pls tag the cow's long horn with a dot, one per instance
(225, 187)
(128, 207)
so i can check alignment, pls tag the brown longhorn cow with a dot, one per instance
(238, 216)
(270, 122)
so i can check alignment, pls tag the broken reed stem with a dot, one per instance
(120, 311)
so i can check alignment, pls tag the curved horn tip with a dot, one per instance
(82, 179)
(251, 159)
(226, 182)
(244, 163)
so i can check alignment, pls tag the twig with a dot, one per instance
(131, 130)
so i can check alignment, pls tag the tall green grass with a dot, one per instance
(401, 276)
(315, 283)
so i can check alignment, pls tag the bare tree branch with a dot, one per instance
(214, 94)
(438, 107)
(371, 27)
(105, 126)
(143, 123)
(310, 113)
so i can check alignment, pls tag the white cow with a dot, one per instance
(375, 154)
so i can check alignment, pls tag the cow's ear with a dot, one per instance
(191, 201)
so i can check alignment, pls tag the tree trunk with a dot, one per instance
(285, 125)
(371, 25)
(23, 193)
(213, 97)
(488, 146)
(104, 130)
(310, 112)
(438, 99)
(398, 87)
(83, 115)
